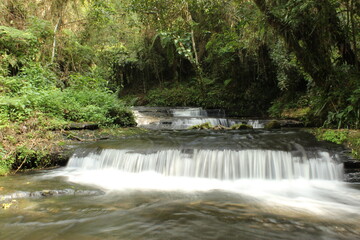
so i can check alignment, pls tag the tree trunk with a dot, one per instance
(54, 41)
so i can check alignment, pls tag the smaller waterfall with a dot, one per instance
(183, 118)
(214, 164)
(256, 123)
(189, 112)
(183, 123)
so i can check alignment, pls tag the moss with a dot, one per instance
(241, 126)
(206, 125)
(273, 125)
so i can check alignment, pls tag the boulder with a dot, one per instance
(273, 125)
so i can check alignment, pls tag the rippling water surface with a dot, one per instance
(156, 203)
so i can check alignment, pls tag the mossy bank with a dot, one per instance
(30, 145)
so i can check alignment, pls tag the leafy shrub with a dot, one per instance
(189, 95)
(83, 105)
(87, 99)
(179, 95)
(17, 48)
(335, 136)
(338, 137)
(78, 81)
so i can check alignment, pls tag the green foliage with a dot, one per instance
(330, 135)
(179, 95)
(17, 48)
(82, 105)
(354, 143)
(40, 28)
(294, 107)
(349, 138)
(336, 137)
(4, 164)
(349, 115)
(288, 70)
(73, 54)
(78, 81)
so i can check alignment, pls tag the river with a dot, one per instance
(173, 183)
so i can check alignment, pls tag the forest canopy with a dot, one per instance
(285, 58)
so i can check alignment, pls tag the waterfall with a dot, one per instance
(189, 112)
(213, 164)
(255, 124)
(183, 123)
(183, 118)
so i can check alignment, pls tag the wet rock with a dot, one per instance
(20, 195)
(273, 125)
(241, 126)
(352, 164)
(352, 177)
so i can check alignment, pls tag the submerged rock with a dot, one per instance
(241, 126)
(48, 193)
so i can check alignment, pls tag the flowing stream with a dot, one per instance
(173, 183)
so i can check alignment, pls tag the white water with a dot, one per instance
(189, 112)
(183, 123)
(255, 124)
(183, 118)
(214, 164)
(276, 180)
(316, 196)
(290, 184)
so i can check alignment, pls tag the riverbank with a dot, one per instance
(40, 143)
(346, 137)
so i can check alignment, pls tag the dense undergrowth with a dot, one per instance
(215, 96)
(33, 107)
(37, 102)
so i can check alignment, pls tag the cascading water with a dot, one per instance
(214, 164)
(183, 118)
(192, 184)
(189, 112)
